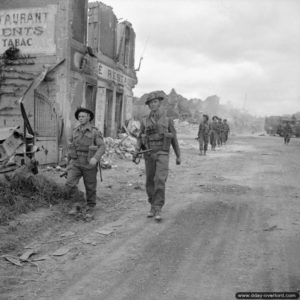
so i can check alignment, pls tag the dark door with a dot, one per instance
(118, 113)
(108, 113)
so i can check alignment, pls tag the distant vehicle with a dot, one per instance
(274, 124)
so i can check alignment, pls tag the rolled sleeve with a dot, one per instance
(100, 144)
(174, 140)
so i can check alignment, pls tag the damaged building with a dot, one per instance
(86, 57)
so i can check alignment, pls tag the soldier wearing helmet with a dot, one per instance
(158, 134)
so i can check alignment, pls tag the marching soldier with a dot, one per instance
(203, 135)
(158, 134)
(287, 132)
(85, 150)
(226, 130)
(220, 132)
(213, 135)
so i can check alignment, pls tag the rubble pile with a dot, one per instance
(120, 148)
(185, 128)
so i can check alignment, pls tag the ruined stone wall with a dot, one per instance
(38, 31)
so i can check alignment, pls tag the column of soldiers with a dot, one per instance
(216, 132)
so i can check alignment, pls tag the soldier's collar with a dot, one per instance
(87, 126)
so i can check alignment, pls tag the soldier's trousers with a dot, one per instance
(89, 174)
(213, 139)
(157, 167)
(219, 139)
(287, 138)
(203, 142)
(226, 136)
(223, 138)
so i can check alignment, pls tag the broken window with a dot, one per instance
(90, 98)
(79, 21)
(127, 47)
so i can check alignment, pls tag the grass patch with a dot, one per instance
(24, 192)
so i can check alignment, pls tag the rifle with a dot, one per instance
(137, 155)
(100, 171)
(64, 174)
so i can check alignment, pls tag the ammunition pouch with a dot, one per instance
(167, 141)
(82, 148)
(72, 154)
(145, 141)
(92, 151)
(155, 137)
(151, 130)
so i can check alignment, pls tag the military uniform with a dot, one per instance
(213, 135)
(158, 134)
(86, 142)
(226, 130)
(287, 133)
(203, 136)
(219, 133)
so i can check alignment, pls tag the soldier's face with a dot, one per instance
(154, 105)
(83, 118)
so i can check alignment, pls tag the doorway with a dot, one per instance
(118, 112)
(108, 113)
(45, 127)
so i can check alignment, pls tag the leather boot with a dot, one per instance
(151, 213)
(158, 217)
(76, 208)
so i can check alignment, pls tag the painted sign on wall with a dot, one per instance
(110, 74)
(29, 29)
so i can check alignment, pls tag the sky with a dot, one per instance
(245, 51)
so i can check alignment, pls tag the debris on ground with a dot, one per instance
(228, 188)
(33, 245)
(272, 228)
(105, 231)
(40, 258)
(121, 148)
(88, 241)
(61, 251)
(67, 234)
(25, 256)
(13, 260)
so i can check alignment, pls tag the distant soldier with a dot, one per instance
(219, 132)
(213, 134)
(287, 132)
(226, 129)
(158, 134)
(85, 151)
(203, 134)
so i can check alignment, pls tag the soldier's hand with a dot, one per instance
(178, 160)
(93, 161)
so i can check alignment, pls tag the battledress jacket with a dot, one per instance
(86, 141)
(204, 129)
(158, 134)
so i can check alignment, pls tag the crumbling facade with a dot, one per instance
(86, 68)
(113, 44)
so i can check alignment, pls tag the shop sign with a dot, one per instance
(29, 29)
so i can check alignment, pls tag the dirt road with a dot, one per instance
(231, 224)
